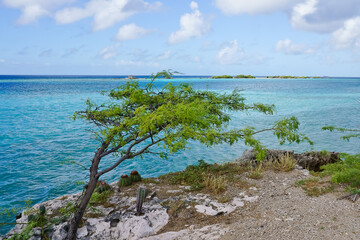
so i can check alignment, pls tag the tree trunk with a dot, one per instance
(75, 221)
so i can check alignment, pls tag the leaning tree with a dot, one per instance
(137, 118)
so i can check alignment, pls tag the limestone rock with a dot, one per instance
(314, 160)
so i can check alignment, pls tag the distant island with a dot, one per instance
(229, 76)
(291, 77)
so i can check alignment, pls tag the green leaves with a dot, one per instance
(356, 132)
(174, 115)
(347, 171)
(286, 130)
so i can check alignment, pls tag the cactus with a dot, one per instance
(135, 176)
(140, 198)
(42, 210)
(125, 181)
(102, 186)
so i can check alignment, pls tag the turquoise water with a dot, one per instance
(37, 134)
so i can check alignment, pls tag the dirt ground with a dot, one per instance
(282, 210)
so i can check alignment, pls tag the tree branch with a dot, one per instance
(114, 149)
(146, 147)
(128, 155)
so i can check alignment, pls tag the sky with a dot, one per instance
(203, 37)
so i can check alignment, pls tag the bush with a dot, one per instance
(213, 177)
(347, 171)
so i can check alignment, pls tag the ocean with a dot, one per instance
(37, 134)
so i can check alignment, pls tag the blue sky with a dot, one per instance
(120, 37)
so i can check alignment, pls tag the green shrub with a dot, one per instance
(347, 171)
(99, 198)
(222, 76)
(244, 76)
(192, 175)
(197, 176)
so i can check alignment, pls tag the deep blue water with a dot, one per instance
(37, 134)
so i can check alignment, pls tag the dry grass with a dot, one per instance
(175, 207)
(256, 172)
(285, 164)
(215, 184)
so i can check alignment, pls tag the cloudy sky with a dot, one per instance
(258, 37)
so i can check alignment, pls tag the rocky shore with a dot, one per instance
(271, 207)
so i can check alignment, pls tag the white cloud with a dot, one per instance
(321, 16)
(2, 60)
(347, 36)
(288, 47)
(130, 32)
(253, 7)
(165, 55)
(230, 53)
(32, 10)
(108, 52)
(105, 12)
(191, 25)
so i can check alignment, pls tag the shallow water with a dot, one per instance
(37, 134)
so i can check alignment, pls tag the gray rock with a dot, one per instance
(82, 232)
(271, 154)
(37, 231)
(314, 160)
(60, 232)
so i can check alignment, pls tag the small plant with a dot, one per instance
(324, 153)
(141, 194)
(135, 176)
(125, 181)
(175, 207)
(192, 175)
(256, 172)
(70, 208)
(102, 186)
(99, 198)
(315, 187)
(35, 219)
(215, 184)
(284, 164)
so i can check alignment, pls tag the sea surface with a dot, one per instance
(37, 134)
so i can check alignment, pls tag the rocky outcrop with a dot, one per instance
(314, 160)
(309, 160)
(119, 218)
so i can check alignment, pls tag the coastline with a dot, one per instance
(271, 207)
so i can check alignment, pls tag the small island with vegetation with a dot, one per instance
(286, 77)
(229, 76)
